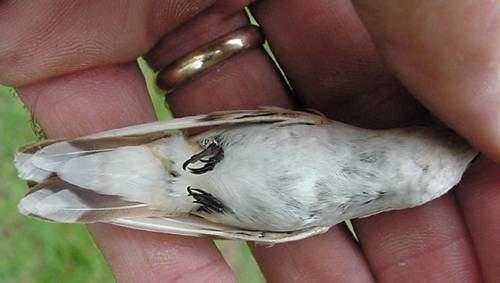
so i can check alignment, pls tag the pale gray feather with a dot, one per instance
(56, 200)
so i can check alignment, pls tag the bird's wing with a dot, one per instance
(37, 161)
(59, 201)
(64, 202)
(221, 118)
(191, 225)
(59, 151)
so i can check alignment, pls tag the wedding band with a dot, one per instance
(209, 55)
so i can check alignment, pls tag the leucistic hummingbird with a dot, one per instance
(268, 175)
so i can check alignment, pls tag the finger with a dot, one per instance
(429, 242)
(450, 62)
(344, 54)
(332, 64)
(138, 256)
(310, 260)
(111, 97)
(479, 199)
(43, 39)
(90, 101)
(212, 23)
(247, 81)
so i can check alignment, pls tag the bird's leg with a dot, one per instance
(209, 203)
(210, 156)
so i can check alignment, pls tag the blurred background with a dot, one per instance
(35, 251)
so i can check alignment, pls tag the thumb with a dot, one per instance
(447, 53)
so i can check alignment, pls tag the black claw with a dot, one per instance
(209, 203)
(215, 154)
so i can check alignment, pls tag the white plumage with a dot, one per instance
(269, 175)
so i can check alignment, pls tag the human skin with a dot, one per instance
(73, 63)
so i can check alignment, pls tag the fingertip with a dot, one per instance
(447, 56)
(407, 244)
(478, 197)
(140, 256)
(333, 256)
(484, 131)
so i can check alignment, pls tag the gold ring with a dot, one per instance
(207, 56)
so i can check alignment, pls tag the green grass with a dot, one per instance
(35, 251)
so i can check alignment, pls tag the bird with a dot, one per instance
(266, 175)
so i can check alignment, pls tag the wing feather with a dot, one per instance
(221, 118)
(191, 225)
(27, 170)
(59, 201)
(36, 162)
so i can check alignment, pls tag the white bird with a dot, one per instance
(269, 175)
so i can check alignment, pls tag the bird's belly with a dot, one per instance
(272, 186)
(289, 179)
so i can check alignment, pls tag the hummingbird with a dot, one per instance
(268, 175)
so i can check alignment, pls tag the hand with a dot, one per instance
(74, 65)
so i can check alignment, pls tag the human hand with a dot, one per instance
(74, 66)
